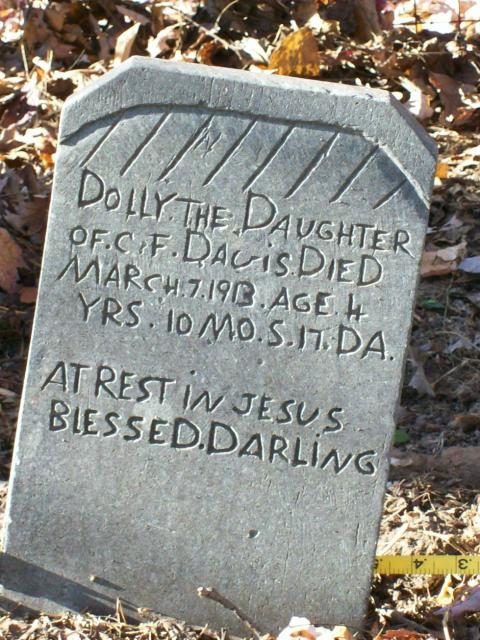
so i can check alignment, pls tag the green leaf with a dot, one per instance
(401, 437)
(431, 304)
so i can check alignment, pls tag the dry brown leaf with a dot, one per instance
(460, 463)
(304, 11)
(297, 55)
(28, 295)
(402, 634)
(134, 16)
(441, 262)
(466, 421)
(419, 380)
(452, 95)
(125, 42)
(366, 19)
(10, 260)
(449, 90)
(30, 217)
(442, 170)
(55, 15)
(207, 51)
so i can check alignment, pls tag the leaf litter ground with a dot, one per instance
(52, 48)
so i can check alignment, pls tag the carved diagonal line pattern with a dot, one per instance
(388, 196)
(228, 154)
(273, 152)
(100, 142)
(191, 143)
(356, 173)
(151, 134)
(321, 155)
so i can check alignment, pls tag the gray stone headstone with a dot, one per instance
(224, 308)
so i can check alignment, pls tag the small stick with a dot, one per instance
(446, 630)
(212, 594)
(398, 618)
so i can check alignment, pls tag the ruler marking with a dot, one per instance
(427, 565)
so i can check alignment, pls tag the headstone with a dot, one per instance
(224, 307)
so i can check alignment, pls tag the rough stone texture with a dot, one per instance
(224, 308)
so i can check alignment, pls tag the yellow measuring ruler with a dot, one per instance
(428, 565)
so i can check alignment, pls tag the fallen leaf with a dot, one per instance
(55, 16)
(133, 15)
(440, 262)
(165, 40)
(470, 604)
(303, 11)
(252, 48)
(401, 437)
(207, 51)
(419, 380)
(470, 265)
(452, 94)
(6, 393)
(297, 55)
(431, 304)
(11, 24)
(367, 20)
(474, 298)
(341, 632)
(442, 170)
(125, 42)
(178, 10)
(460, 463)
(401, 634)
(466, 421)
(10, 260)
(472, 21)
(445, 597)
(419, 101)
(302, 628)
(435, 15)
(28, 295)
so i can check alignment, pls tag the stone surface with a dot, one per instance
(224, 308)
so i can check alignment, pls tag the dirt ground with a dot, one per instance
(432, 504)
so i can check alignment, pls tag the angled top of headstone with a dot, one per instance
(371, 113)
(224, 307)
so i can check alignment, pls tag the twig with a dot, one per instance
(446, 630)
(24, 59)
(212, 594)
(209, 32)
(448, 373)
(119, 613)
(216, 26)
(398, 618)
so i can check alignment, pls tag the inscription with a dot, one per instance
(184, 264)
(194, 427)
(201, 237)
